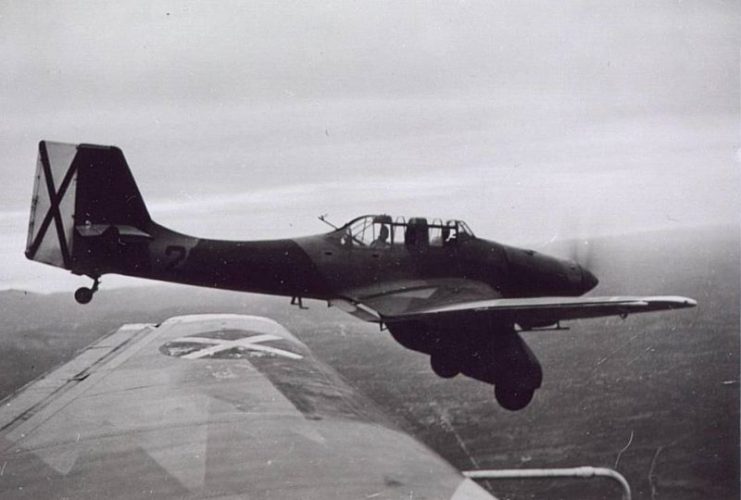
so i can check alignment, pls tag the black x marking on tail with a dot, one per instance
(55, 197)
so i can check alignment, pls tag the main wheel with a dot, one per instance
(83, 295)
(513, 399)
(444, 366)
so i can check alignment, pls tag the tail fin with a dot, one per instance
(80, 191)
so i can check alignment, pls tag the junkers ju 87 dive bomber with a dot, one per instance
(435, 286)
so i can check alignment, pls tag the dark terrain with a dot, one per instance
(655, 396)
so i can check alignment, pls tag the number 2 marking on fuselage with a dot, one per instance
(176, 254)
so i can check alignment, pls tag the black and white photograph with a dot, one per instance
(351, 250)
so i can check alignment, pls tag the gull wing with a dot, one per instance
(549, 310)
(407, 298)
(209, 406)
(448, 298)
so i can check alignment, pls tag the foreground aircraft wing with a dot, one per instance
(209, 406)
(435, 299)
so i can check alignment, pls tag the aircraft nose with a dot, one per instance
(588, 280)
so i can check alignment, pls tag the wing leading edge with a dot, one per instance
(209, 406)
(551, 309)
(441, 298)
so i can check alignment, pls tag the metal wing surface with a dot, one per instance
(388, 300)
(447, 298)
(216, 406)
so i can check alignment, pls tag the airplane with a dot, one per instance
(434, 285)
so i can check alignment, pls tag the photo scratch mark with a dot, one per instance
(620, 453)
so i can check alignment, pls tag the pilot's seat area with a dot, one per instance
(417, 235)
(383, 232)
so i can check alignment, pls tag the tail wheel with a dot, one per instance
(444, 366)
(513, 399)
(83, 295)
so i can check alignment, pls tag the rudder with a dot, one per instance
(80, 191)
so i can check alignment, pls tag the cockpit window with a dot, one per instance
(381, 231)
(463, 228)
(397, 231)
(439, 233)
(370, 231)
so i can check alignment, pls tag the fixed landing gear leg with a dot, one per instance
(84, 295)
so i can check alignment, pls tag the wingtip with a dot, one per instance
(682, 302)
(690, 302)
(673, 301)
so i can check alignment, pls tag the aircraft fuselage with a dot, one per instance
(319, 266)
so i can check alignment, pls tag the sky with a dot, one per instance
(532, 121)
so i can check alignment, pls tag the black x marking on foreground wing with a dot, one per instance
(55, 197)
